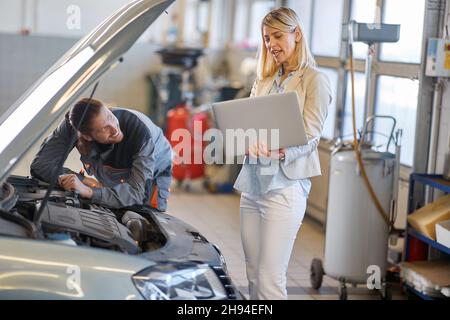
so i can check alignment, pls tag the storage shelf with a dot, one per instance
(429, 241)
(436, 182)
(418, 293)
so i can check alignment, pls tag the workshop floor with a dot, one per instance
(217, 218)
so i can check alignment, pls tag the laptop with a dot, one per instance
(273, 119)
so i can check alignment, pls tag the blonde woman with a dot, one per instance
(273, 205)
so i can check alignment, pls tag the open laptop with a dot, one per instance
(266, 116)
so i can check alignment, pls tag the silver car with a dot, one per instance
(64, 247)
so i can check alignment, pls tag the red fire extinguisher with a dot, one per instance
(185, 166)
(418, 250)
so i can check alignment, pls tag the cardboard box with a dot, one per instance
(424, 219)
(429, 277)
(443, 233)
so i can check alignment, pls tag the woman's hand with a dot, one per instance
(261, 150)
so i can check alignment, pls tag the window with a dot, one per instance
(409, 47)
(397, 97)
(201, 24)
(360, 89)
(202, 16)
(259, 10)
(219, 24)
(240, 21)
(191, 36)
(322, 21)
(363, 11)
(329, 125)
(303, 9)
(170, 28)
(327, 26)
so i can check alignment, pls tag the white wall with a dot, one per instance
(23, 60)
(50, 17)
(11, 15)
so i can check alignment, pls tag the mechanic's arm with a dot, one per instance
(54, 147)
(133, 191)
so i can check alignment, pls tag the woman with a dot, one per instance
(273, 205)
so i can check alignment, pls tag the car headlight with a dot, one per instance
(179, 281)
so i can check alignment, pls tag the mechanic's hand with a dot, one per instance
(70, 182)
(92, 183)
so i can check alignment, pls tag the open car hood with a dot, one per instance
(24, 123)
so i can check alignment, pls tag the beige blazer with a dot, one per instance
(314, 93)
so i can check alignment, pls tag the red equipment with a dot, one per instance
(418, 250)
(194, 125)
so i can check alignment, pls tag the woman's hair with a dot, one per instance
(75, 115)
(285, 20)
(90, 107)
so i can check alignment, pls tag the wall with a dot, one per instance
(51, 17)
(11, 16)
(23, 60)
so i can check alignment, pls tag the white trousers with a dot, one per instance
(269, 226)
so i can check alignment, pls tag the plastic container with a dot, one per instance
(443, 233)
(61, 238)
(424, 219)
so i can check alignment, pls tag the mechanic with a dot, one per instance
(126, 152)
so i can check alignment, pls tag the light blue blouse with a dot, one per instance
(260, 176)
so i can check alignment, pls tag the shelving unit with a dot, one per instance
(428, 241)
(436, 182)
(417, 293)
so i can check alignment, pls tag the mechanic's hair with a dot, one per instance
(285, 20)
(75, 115)
(90, 107)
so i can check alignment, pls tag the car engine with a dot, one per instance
(84, 223)
(95, 226)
